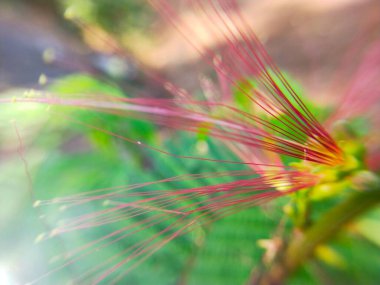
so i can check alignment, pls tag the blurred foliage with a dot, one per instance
(118, 17)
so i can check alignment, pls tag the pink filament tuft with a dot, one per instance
(244, 58)
(180, 211)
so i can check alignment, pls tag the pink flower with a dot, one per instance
(274, 123)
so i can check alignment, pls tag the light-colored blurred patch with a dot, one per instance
(370, 229)
(5, 276)
(264, 16)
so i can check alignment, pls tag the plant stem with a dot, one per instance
(302, 248)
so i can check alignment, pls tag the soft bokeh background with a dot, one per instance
(43, 154)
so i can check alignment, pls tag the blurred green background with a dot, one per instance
(60, 157)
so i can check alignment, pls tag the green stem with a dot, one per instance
(302, 248)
